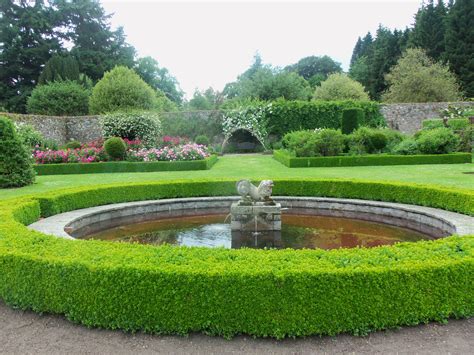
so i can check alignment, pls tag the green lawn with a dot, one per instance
(264, 167)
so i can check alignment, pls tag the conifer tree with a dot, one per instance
(460, 43)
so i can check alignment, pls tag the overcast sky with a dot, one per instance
(207, 44)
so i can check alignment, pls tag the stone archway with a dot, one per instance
(235, 129)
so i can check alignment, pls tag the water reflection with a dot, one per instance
(298, 231)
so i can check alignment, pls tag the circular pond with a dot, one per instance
(299, 230)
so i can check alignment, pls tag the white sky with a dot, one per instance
(207, 44)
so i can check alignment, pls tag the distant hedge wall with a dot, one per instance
(290, 161)
(124, 167)
(287, 116)
(275, 293)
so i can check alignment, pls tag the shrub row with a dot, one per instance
(274, 293)
(290, 161)
(124, 167)
(453, 123)
(287, 116)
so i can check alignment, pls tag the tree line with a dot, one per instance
(42, 41)
(444, 31)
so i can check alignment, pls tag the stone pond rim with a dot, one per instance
(427, 220)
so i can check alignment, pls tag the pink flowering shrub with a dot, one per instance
(80, 155)
(170, 153)
(173, 141)
(94, 152)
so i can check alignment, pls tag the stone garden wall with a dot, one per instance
(406, 118)
(62, 128)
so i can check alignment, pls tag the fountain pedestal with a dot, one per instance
(258, 216)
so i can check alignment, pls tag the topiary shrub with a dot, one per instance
(466, 139)
(202, 139)
(351, 119)
(121, 89)
(115, 148)
(407, 147)
(16, 163)
(299, 143)
(59, 98)
(72, 145)
(145, 126)
(437, 141)
(367, 141)
(328, 142)
(321, 142)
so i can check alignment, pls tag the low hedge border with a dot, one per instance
(290, 161)
(124, 167)
(274, 293)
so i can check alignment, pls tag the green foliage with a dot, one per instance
(145, 126)
(322, 142)
(202, 139)
(26, 44)
(206, 100)
(159, 78)
(264, 82)
(459, 43)
(72, 145)
(466, 139)
(121, 89)
(59, 98)
(179, 124)
(401, 157)
(59, 68)
(115, 148)
(350, 119)
(416, 78)
(380, 55)
(315, 69)
(32, 31)
(340, 87)
(408, 146)
(429, 30)
(437, 141)
(287, 116)
(432, 123)
(227, 292)
(29, 136)
(124, 167)
(457, 124)
(367, 141)
(16, 164)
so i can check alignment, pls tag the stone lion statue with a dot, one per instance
(248, 191)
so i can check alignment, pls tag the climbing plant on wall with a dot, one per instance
(252, 119)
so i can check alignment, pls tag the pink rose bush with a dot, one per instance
(93, 152)
(80, 155)
(190, 151)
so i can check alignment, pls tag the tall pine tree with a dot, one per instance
(429, 29)
(460, 43)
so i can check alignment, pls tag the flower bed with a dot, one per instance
(125, 166)
(287, 159)
(275, 293)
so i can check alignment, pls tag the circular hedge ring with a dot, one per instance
(278, 293)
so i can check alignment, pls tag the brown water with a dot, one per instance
(298, 231)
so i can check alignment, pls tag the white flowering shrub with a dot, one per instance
(142, 125)
(252, 119)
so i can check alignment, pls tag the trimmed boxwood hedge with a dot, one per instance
(290, 161)
(124, 167)
(276, 293)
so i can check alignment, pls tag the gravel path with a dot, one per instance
(30, 333)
